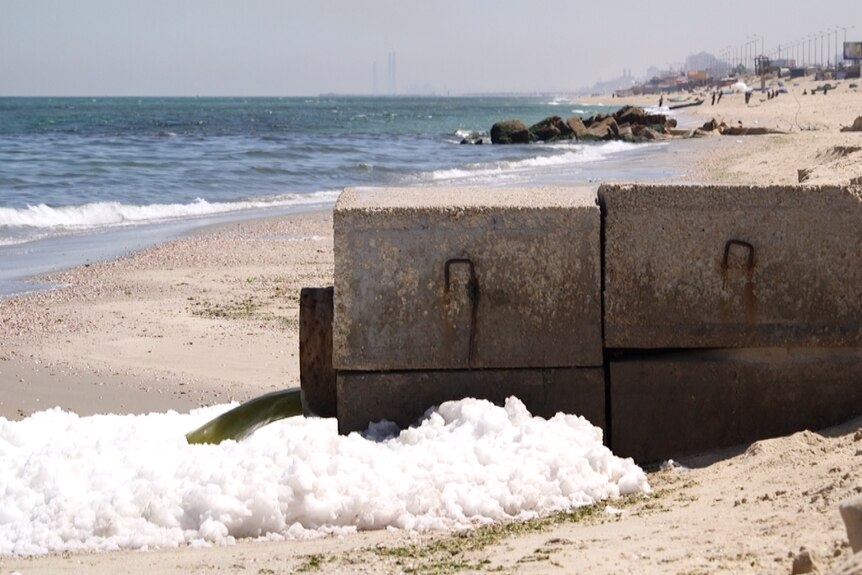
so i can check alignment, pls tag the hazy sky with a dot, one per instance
(286, 47)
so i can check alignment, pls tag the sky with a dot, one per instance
(296, 48)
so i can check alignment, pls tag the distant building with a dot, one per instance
(783, 63)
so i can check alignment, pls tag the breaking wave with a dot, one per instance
(572, 154)
(111, 214)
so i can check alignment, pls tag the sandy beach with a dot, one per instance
(213, 318)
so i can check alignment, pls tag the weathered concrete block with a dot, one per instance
(402, 397)
(466, 278)
(680, 403)
(316, 374)
(700, 266)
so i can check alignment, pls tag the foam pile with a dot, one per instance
(132, 482)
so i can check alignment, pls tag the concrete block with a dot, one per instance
(680, 403)
(466, 278)
(580, 391)
(706, 267)
(403, 397)
(316, 374)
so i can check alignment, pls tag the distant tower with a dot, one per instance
(391, 85)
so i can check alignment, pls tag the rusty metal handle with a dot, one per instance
(730, 243)
(472, 293)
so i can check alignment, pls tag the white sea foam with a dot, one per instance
(570, 154)
(109, 214)
(132, 482)
(468, 133)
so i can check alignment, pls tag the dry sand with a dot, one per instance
(214, 317)
(813, 138)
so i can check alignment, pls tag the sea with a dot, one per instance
(88, 179)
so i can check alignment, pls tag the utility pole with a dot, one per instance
(822, 49)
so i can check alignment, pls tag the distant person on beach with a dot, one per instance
(661, 101)
(719, 96)
(713, 99)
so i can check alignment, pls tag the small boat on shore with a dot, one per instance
(697, 102)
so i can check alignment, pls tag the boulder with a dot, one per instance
(650, 134)
(637, 116)
(625, 133)
(632, 119)
(630, 115)
(655, 119)
(594, 119)
(605, 129)
(576, 125)
(550, 129)
(510, 132)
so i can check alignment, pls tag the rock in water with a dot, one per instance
(576, 125)
(630, 115)
(550, 129)
(605, 128)
(510, 132)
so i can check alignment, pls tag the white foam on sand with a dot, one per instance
(111, 482)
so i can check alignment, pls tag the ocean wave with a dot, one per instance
(570, 154)
(458, 136)
(112, 214)
(461, 134)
